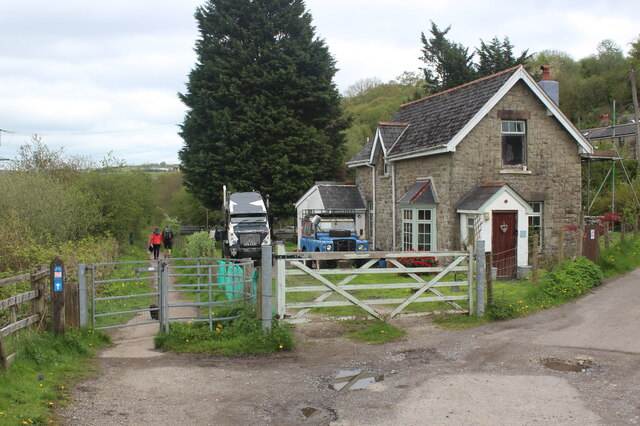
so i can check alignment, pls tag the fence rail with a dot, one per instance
(36, 314)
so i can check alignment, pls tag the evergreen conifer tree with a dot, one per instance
(263, 112)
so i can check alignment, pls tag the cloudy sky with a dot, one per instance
(102, 76)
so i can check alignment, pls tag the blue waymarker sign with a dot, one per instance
(57, 278)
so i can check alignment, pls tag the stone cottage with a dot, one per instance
(494, 159)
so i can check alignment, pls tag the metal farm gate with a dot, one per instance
(384, 286)
(165, 291)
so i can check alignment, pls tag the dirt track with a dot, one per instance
(492, 374)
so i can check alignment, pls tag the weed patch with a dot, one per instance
(377, 333)
(228, 337)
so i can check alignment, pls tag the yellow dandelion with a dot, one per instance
(280, 347)
(62, 387)
(50, 404)
(381, 331)
(41, 385)
(189, 322)
(1, 413)
(187, 340)
(90, 344)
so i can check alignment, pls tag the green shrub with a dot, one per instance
(200, 245)
(572, 279)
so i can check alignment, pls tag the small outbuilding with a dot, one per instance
(332, 198)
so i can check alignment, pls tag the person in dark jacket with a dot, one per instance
(167, 237)
(155, 241)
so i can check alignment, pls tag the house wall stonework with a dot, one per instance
(553, 174)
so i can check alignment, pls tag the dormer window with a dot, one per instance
(514, 143)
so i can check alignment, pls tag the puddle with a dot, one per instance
(354, 380)
(577, 366)
(309, 411)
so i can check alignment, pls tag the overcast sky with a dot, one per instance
(100, 76)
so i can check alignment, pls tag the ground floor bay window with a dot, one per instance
(418, 228)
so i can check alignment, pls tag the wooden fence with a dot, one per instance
(38, 278)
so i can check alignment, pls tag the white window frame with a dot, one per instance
(513, 128)
(411, 223)
(537, 214)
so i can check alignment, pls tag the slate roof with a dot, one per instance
(479, 195)
(390, 132)
(435, 120)
(420, 192)
(621, 130)
(337, 196)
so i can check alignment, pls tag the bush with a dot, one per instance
(200, 245)
(572, 279)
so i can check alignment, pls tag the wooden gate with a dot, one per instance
(384, 286)
(504, 238)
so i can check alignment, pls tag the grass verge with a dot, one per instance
(46, 366)
(229, 337)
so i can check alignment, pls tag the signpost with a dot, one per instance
(57, 295)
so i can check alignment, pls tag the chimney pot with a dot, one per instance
(546, 72)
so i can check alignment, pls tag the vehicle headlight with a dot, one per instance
(360, 247)
(328, 247)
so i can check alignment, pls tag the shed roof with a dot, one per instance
(621, 130)
(341, 196)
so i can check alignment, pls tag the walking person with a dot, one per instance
(167, 236)
(155, 242)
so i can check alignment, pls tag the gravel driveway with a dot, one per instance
(490, 375)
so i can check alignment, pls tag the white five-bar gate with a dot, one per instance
(397, 290)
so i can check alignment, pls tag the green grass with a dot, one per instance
(403, 293)
(43, 372)
(373, 332)
(620, 257)
(229, 337)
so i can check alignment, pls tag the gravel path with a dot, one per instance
(493, 374)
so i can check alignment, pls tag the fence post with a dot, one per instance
(267, 273)
(480, 277)
(82, 295)
(469, 279)
(164, 296)
(280, 279)
(489, 275)
(57, 295)
(535, 261)
(38, 305)
(606, 234)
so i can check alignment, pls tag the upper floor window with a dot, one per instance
(514, 143)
